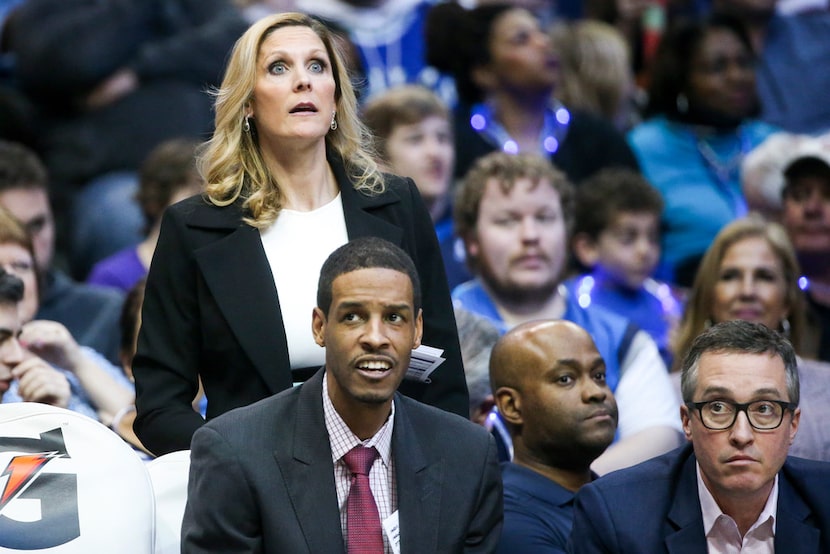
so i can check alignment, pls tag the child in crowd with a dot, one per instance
(616, 240)
(168, 175)
(414, 138)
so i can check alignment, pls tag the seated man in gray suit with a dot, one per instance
(279, 475)
(733, 488)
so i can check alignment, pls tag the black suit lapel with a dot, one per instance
(359, 208)
(684, 515)
(248, 300)
(309, 472)
(419, 486)
(793, 533)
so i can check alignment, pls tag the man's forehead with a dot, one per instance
(628, 219)
(375, 284)
(809, 181)
(742, 369)
(555, 343)
(504, 186)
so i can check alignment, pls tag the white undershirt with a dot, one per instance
(296, 246)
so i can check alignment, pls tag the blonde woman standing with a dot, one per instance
(289, 179)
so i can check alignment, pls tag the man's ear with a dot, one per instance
(509, 403)
(686, 421)
(318, 326)
(419, 329)
(796, 419)
(585, 250)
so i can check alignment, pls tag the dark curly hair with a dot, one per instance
(672, 65)
(457, 41)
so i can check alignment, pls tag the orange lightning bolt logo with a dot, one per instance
(21, 471)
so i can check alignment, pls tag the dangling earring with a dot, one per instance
(246, 124)
(682, 103)
(333, 125)
(785, 327)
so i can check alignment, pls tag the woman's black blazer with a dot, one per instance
(211, 311)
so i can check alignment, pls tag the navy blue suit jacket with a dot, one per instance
(654, 508)
(262, 480)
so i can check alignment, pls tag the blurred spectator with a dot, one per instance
(749, 272)
(414, 138)
(788, 177)
(596, 71)
(94, 386)
(33, 382)
(791, 48)
(506, 73)
(111, 80)
(642, 24)
(616, 239)
(699, 127)
(90, 313)
(168, 175)
(477, 337)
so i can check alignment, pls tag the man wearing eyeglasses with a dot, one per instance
(733, 488)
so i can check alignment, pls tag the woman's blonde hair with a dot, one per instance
(698, 312)
(231, 161)
(595, 65)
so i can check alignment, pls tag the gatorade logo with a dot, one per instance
(38, 508)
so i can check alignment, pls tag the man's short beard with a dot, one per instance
(578, 457)
(535, 296)
(514, 294)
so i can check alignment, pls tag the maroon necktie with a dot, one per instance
(362, 519)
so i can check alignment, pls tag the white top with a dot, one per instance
(296, 246)
(645, 394)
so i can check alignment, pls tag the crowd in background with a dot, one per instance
(644, 168)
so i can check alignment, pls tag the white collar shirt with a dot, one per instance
(722, 534)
